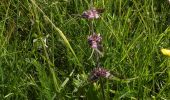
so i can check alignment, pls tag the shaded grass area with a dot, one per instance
(133, 33)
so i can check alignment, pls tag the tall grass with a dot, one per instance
(133, 33)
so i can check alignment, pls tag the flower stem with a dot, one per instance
(91, 27)
(91, 4)
(97, 58)
(102, 89)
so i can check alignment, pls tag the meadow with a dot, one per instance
(45, 53)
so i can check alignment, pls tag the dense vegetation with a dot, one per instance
(44, 53)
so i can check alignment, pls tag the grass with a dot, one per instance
(133, 33)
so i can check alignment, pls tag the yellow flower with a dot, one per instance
(166, 52)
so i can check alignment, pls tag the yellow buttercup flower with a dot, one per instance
(166, 52)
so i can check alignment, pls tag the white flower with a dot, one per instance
(37, 42)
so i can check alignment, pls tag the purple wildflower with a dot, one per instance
(94, 40)
(99, 73)
(92, 13)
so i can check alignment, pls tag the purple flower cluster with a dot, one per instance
(99, 73)
(94, 40)
(92, 13)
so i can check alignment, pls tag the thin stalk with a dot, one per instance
(59, 32)
(102, 89)
(91, 27)
(50, 65)
(97, 58)
(91, 4)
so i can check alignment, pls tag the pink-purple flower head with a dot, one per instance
(99, 72)
(92, 13)
(94, 40)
